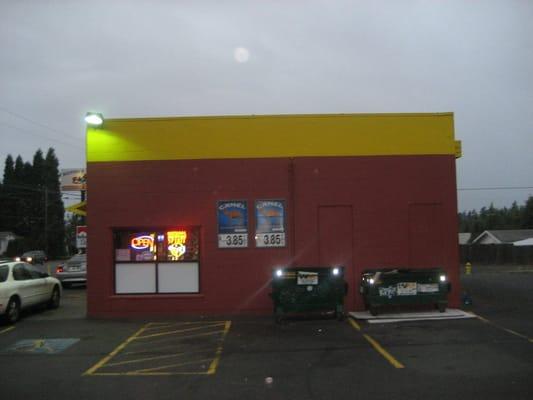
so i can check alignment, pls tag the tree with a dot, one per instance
(527, 219)
(55, 211)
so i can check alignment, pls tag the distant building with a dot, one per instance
(5, 238)
(464, 237)
(525, 242)
(503, 236)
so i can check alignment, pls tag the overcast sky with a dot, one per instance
(59, 59)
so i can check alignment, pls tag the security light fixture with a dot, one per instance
(95, 119)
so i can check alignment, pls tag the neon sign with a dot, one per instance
(142, 242)
(176, 244)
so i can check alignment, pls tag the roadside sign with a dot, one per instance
(73, 179)
(81, 237)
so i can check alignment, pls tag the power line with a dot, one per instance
(498, 188)
(40, 124)
(40, 136)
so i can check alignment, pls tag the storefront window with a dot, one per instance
(157, 260)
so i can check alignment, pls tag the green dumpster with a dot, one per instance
(308, 289)
(398, 287)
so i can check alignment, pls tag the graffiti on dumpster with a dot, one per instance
(388, 291)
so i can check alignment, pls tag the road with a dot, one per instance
(60, 354)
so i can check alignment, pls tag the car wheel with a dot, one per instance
(13, 311)
(55, 299)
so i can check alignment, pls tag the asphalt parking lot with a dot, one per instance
(60, 354)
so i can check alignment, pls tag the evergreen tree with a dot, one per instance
(9, 170)
(36, 211)
(527, 219)
(55, 216)
(7, 203)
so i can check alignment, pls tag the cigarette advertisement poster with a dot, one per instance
(232, 216)
(270, 223)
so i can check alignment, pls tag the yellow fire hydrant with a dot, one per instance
(468, 268)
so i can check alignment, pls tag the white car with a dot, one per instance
(22, 285)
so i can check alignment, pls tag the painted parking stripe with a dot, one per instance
(178, 331)
(121, 346)
(189, 349)
(214, 364)
(378, 347)
(10, 328)
(485, 320)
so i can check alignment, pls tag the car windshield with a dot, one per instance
(78, 258)
(32, 254)
(4, 271)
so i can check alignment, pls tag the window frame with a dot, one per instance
(157, 261)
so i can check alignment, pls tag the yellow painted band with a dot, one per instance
(354, 324)
(272, 136)
(10, 328)
(384, 352)
(214, 364)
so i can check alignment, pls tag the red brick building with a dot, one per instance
(191, 215)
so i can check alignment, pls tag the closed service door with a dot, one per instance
(335, 226)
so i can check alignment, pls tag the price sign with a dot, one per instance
(270, 223)
(232, 218)
(270, 240)
(232, 240)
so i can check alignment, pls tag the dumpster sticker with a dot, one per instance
(307, 278)
(232, 217)
(428, 287)
(406, 288)
(389, 291)
(270, 223)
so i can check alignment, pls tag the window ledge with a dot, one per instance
(156, 296)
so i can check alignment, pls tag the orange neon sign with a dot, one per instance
(142, 242)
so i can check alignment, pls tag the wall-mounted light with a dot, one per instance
(95, 119)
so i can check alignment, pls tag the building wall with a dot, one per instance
(362, 212)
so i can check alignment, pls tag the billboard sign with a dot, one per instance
(81, 237)
(232, 218)
(73, 179)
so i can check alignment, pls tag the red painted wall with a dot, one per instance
(393, 203)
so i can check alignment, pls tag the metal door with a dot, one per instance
(335, 226)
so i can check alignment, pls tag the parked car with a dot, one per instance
(33, 257)
(73, 270)
(22, 286)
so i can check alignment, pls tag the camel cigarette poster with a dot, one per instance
(232, 216)
(270, 223)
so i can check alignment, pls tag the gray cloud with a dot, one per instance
(142, 58)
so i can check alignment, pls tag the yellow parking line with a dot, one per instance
(10, 328)
(377, 346)
(214, 364)
(503, 328)
(148, 370)
(354, 324)
(121, 346)
(180, 337)
(179, 331)
(160, 325)
(147, 373)
(383, 352)
(157, 357)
